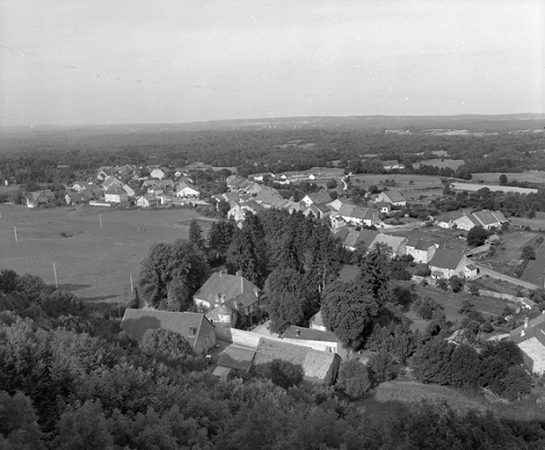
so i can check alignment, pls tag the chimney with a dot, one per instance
(192, 331)
(526, 322)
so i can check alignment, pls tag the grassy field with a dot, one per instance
(94, 263)
(387, 396)
(532, 176)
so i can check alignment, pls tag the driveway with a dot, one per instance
(500, 276)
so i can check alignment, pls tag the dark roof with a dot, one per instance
(536, 328)
(367, 237)
(235, 357)
(137, 321)
(235, 289)
(446, 259)
(308, 334)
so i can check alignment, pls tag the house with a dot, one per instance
(319, 367)
(78, 198)
(195, 327)
(421, 250)
(466, 222)
(80, 186)
(471, 271)
(446, 263)
(396, 244)
(147, 201)
(316, 339)
(235, 291)
(238, 211)
(267, 196)
(129, 190)
(358, 215)
(383, 207)
(447, 220)
(234, 357)
(116, 195)
(319, 211)
(183, 190)
(111, 183)
(158, 173)
(530, 338)
(315, 198)
(490, 219)
(394, 198)
(392, 165)
(38, 198)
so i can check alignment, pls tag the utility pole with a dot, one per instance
(55, 273)
(100, 217)
(15, 233)
(132, 286)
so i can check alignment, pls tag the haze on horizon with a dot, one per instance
(65, 62)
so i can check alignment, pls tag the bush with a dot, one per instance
(426, 307)
(382, 367)
(528, 252)
(353, 378)
(456, 283)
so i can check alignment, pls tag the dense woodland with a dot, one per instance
(70, 380)
(275, 147)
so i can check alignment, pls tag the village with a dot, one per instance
(437, 247)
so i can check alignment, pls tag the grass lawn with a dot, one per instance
(385, 399)
(532, 176)
(95, 263)
(452, 302)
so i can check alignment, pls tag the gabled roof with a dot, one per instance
(446, 259)
(395, 196)
(394, 242)
(392, 162)
(233, 288)
(486, 217)
(308, 334)
(115, 191)
(448, 216)
(137, 321)
(319, 197)
(317, 320)
(471, 218)
(351, 238)
(268, 196)
(367, 237)
(358, 212)
(315, 363)
(536, 328)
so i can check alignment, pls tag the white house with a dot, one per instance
(394, 198)
(116, 195)
(147, 201)
(421, 250)
(183, 190)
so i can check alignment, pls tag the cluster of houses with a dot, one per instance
(119, 185)
(227, 297)
(246, 195)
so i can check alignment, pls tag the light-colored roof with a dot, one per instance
(316, 364)
(233, 288)
(309, 334)
(395, 196)
(394, 242)
(319, 197)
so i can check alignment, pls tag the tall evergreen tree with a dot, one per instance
(219, 238)
(195, 235)
(244, 254)
(375, 273)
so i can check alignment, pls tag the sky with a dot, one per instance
(67, 62)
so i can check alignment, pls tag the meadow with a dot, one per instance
(92, 262)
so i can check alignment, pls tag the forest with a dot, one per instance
(58, 155)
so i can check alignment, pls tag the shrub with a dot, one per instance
(353, 378)
(456, 283)
(528, 252)
(382, 367)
